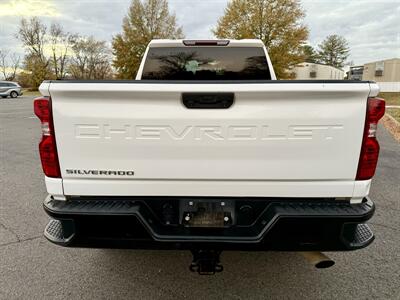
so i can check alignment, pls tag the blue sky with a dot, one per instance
(372, 27)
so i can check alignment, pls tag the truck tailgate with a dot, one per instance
(138, 138)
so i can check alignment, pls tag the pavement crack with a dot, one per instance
(12, 231)
(20, 241)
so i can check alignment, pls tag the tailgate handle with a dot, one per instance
(207, 100)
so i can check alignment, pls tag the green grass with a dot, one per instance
(391, 98)
(394, 112)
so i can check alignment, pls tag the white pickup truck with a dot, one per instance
(207, 151)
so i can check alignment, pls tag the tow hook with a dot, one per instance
(206, 262)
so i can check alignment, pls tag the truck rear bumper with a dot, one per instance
(153, 223)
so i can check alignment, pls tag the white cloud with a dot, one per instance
(198, 17)
(371, 27)
(28, 8)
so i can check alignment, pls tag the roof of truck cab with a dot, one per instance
(232, 43)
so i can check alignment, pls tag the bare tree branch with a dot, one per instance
(9, 64)
(3, 63)
(14, 65)
(91, 59)
(32, 34)
(61, 43)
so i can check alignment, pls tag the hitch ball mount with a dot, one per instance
(206, 262)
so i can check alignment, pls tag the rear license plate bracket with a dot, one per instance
(207, 213)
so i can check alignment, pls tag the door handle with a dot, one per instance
(208, 100)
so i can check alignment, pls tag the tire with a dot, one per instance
(13, 94)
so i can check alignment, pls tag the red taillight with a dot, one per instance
(370, 146)
(47, 147)
(206, 42)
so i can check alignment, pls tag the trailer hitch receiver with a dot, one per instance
(206, 262)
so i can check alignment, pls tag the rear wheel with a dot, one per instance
(13, 94)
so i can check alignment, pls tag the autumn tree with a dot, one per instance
(145, 21)
(91, 59)
(37, 70)
(9, 64)
(276, 22)
(334, 51)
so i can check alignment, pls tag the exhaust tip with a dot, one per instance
(324, 264)
(318, 259)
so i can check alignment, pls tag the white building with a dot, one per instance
(317, 71)
(386, 73)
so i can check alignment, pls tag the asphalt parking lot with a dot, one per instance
(31, 267)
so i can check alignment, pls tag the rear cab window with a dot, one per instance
(206, 63)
